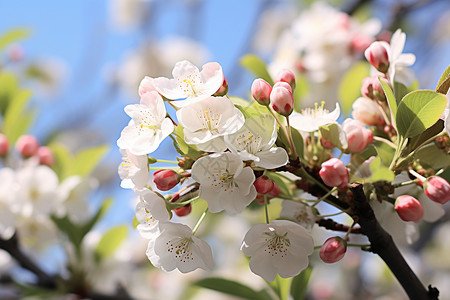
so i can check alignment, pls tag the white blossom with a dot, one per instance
(224, 183)
(298, 212)
(177, 248)
(8, 205)
(255, 140)
(281, 247)
(311, 119)
(133, 170)
(150, 211)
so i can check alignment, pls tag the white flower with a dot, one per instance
(254, 141)
(311, 119)
(224, 183)
(188, 82)
(398, 61)
(177, 248)
(447, 113)
(38, 191)
(298, 212)
(8, 205)
(280, 247)
(148, 127)
(208, 119)
(150, 211)
(133, 170)
(74, 191)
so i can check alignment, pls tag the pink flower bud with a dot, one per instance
(360, 42)
(45, 155)
(27, 145)
(282, 100)
(275, 191)
(287, 76)
(368, 112)
(409, 208)
(377, 55)
(334, 173)
(4, 145)
(371, 88)
(261, 90)
(183, 211)
(223, 90)
(437, 189)
(326, 144)
(283, 84)
(358, 137)
(166, 179)
(333, 250)
(263, 184)
(146, 86)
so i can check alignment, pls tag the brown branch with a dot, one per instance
(333, 225)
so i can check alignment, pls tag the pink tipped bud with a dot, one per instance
(282, 100)
(326, 144)
(334, 173)
(183, 211)
(377, 55)
(46, 157)
(283, 84)
(27, 145)
(146, 86)
(409, 208)
(4, 145)
(333, 250)
(287, 76)
(275, 191)
(166, 179)
(223, 90)
(261, 90)
(263, 184)
(358, 137)
(371, 88)
(360, 42)
(437, 189)
(368, 112)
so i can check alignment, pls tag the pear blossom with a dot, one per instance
(176, 247)
(133, 170)
(224, 183)
(298, 212)
(209, 119)
(148, 127)
(150, 211)
(311, 119)
(188, 82)
(255, 141)
(8, 205)
(281, 247)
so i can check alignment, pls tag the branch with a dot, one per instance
(383, 245)
(12, 247)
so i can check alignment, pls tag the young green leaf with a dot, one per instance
(350, 86)
(433, 157)
(110, 241)
(299, 284)
(12, 36)
(444, 76)
(389, 96)
(187, 150)
(232, 288)
(86, 160)
(331, 133)
(418, 111)
(400, 90)
(17, 119)
(257, 66)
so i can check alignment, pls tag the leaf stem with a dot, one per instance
(266, 209)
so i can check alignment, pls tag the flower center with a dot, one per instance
(249, 142)
(146, 122)
(317, 112)
(180, 248)
(210, 119)
(189, 84)
(276, 244)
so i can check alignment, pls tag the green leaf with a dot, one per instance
(415, 141)
(188, 150)
(418, 111)
(389, 96)
(298, 142)
(283, 184)
(444, 87)
(384, 151)
(16, 119)
(86, 160)
(257, 66)
(12, 36)
(330, 133)
(380, 172)
(106, 204)
(400, 90)
(63, 159)
(433, 157)
(299, 284)
(8, 88)
(110, 241)
(350, 86)
(233, 288)
(444, 76)
(280, 286)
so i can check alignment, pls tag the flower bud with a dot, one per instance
(358, 137)
(275, 191)
(371, 88)
(45, 155)
(283, 84)
(263, 184)
(408, 208)
(360, 42)
(183, 211)
(334, 173)
(282, 100)
(326, 144)
(4, 145)
(287, 76)
(333, 250)
(223, 90)
(437, 189)
(166, 179)
(27, 145)
(368, 112)
(378, 56)
(261, 90)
